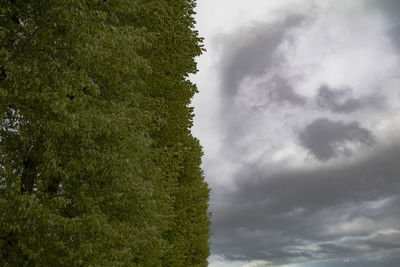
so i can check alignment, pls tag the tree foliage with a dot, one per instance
(97, 163)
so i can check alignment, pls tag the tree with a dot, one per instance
(98, 165)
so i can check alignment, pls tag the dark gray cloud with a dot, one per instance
(389, 261)
(327, 139)
(337, 100)
(303, 215)
(394, 35)
(252, 52)
(340, 100)
(278, 90)
(389, 8)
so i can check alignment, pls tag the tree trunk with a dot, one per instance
(28, 176)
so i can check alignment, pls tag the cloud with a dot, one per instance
(340, 100)
(276, 206)
(253, 52)
(389, 8)
(327, 139)
(337, 100)
(278, 90)
(296, 215)
(394, 35)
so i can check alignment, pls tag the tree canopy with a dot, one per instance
(98, 166)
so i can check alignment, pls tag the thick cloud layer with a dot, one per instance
(295, 215)
(304, 153)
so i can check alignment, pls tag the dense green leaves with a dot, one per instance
(97, 163)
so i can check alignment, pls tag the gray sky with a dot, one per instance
(299, 115)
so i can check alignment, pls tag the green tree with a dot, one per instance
(97, 162)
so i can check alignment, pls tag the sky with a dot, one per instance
(298, 113)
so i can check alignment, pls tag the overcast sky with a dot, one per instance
(299, 117)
